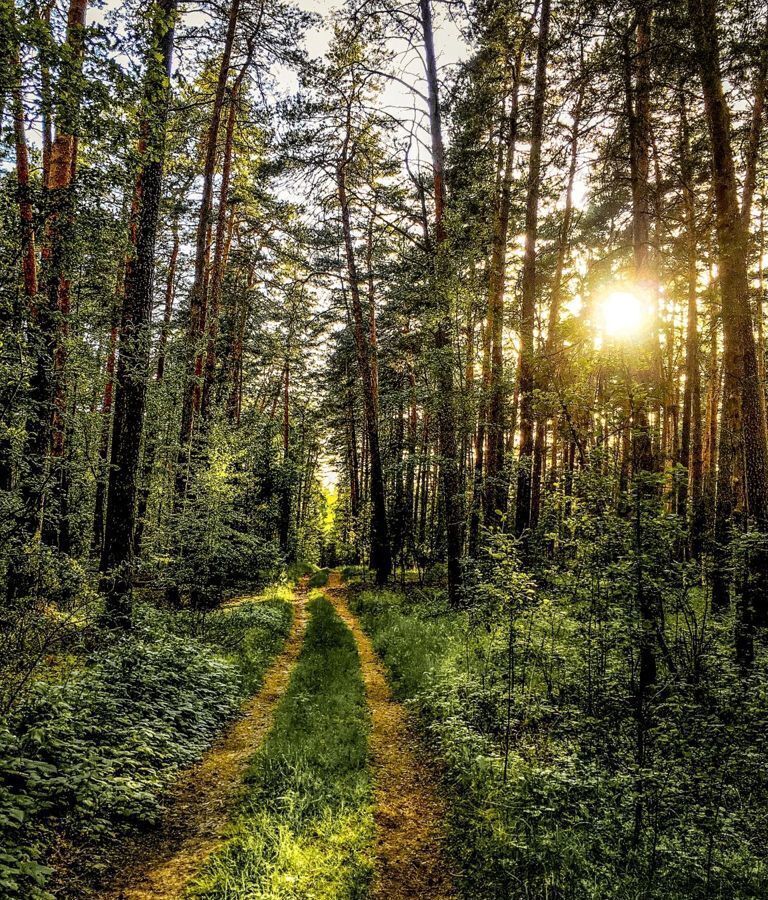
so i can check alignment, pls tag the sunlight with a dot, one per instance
(622, 313)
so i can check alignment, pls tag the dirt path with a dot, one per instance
(160, 863)
(409, 813)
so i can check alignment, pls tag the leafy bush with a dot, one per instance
(247, 635)
(211, 564)
(544, 780)
(87, 756)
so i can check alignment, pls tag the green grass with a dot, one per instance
(305, 828)
(415, 643)
(561, 824)
(299, 569)
(452, 676)
(320, 578)
(357, 574)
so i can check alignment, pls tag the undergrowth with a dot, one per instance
(556, 815)
(88, 755)
(305, 828)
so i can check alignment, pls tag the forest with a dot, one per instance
(383, 449)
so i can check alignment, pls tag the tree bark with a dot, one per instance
(45, 427)
(24, 193)
(134, 347)
(381, 555)
(552, 343)
(496, 487)
(222, 239)
(638, 111)
(691, 489)
(744, 407)
(528, 303)
(446, 402)
(152, 435)
(755, 131)
(106, 430)
(12, 82)
(192, 394)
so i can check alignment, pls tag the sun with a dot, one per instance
(623, 313)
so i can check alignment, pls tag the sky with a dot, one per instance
(397, 98)
(449, 43)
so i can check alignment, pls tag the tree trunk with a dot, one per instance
(45, 429)
(552, 343)
(222, 239)
(638, 113)
(24, 195)
(106, 429)
(381, 556)
(496, 482)
(691, 439)
(135, 331)
(170, 292)
(13, 83)
(711, 406)
(528, 303)
(446, 412)
(151, 442)
(744, 407)
(192, 393)
(46, 103)
(755, 130)
(285, 494)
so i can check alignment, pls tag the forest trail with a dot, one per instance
(160, 863)
(409, 813)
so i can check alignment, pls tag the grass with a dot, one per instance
(305, 828)
(299, 569)
(415, 642)
(357, 574)
(451, 675)
(319, 579)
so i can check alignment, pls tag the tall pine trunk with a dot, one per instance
(528, 303)
(446, 401)
(135, 331)
(552, 343)
(46, 424)
(192, 392)
(496, 488)
(743, 403)
(691, 444)
(381, 554)
(153, 434)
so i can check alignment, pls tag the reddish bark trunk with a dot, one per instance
(528, 307)
(134, 344)
(446, 412)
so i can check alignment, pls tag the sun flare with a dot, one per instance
(622, 313)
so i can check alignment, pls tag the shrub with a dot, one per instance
(544, 781)
(88, 756)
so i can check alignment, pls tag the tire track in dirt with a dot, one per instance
(158, 864)
(409, 812)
